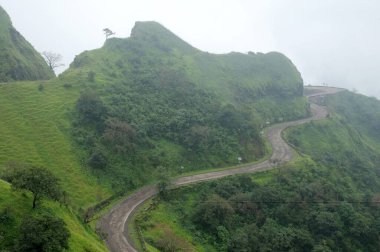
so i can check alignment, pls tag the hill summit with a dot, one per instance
(155, 32)
(18, 59)
(233, 77)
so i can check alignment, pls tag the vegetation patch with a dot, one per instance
(326, 200)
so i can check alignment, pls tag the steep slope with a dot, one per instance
(18, 59)
(35, 129)
(14, 206)
(360, 111)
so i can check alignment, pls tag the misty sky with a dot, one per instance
(330, 41)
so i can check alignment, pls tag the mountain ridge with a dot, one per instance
(232, 76)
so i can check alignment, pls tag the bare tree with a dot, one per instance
(108, 32)
(52, 59)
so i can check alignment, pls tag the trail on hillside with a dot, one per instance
(114, 223)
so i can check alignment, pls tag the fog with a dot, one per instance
(330, 41)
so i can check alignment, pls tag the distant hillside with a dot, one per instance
(18, 59)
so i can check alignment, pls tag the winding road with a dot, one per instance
(114, 223)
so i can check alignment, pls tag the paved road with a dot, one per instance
(113, 224)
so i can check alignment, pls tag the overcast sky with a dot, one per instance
(330, 41)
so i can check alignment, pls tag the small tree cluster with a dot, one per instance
(43, 233)
(97, 159)
(91, 107)
(39, 181)
(120, 135)
(164, 182)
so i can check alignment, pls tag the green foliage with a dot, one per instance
(235, 77)
(18, 59)
(360, 111)
(213, 213)
(35, 129)
(7, 220)
(43, 233)
(120, 136)
(91, 76)
(154, 88)
(163, 182)
(169, 242)
(41, 182)
(5, 217)
(91, 108)
(326, 201)
(97, 159)
(139, 116)
(16, 207)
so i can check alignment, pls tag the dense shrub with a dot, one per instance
(91, 76)
(97, 159)
(91, 108)
(43, 233)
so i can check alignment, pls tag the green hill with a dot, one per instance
(233, 77)
(18, 59)
(173, 105)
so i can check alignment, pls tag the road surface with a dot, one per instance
(114, 223)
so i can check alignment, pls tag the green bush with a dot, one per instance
(98, 160)
(91, 108)
(43, 233)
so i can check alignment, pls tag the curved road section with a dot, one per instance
(113, 224)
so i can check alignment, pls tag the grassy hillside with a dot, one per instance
(18, 59)
(14, 206)
(328, 200)
(34, 128)
(360, 111)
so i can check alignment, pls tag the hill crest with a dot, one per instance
(234, 77)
